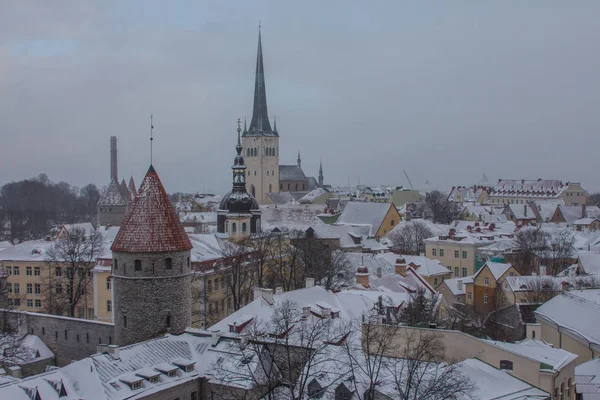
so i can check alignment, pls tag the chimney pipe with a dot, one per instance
(114, 173)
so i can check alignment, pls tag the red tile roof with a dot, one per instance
(151, 223)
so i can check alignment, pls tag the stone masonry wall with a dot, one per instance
(69, 338)
(147, 301)
(111, 215)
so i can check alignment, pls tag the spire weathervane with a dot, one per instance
(151, 137)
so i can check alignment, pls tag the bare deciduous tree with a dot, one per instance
(408, 239)
(70, 261)
(421, 373)
(421, 309)
(12, 322)
(561, 251)
(540, 289)
(439, 208)
(286, 352)
(530, 241)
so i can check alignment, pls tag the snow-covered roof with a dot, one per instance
(587, 379)
(86, 227)
(585, 221)
(31, 250)
(522, 211)
(30, 348)
(370, 214)
(312, 195)
(350, 303)
(426, 266)
(576, 311)
(468, 193)
(347, 234)
(201, 217)
(571, 213)
(497, 269)
(590, 262)
(104, 377)
(291, 216)
(525, 283)
(492, 383)
(112, 196)
(453, 284)
(550, 358)
(539, 189)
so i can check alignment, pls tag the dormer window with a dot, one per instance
(184, 365)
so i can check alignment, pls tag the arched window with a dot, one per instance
(233, 228)
(254, 172)
(267, 173)
(270, 188)
(244, 227)
(226, 226)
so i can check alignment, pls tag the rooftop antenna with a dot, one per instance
(151, 137)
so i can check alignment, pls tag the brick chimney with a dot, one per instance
(400, 266)
(362, 276)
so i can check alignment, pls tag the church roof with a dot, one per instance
(291, 173)
(125, 191)
(132, 188)
(151, 224)
(260, 125)
(112, 196)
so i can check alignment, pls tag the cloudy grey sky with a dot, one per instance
(445, 90)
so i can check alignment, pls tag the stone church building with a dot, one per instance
(260, 144)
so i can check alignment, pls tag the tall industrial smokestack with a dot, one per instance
(114, 172)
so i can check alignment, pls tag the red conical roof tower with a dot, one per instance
(151, 224)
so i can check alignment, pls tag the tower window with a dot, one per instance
(115, 264)
(168, 263)
(168, 321)
(138, 265)
(244, 227)
(267, 173)
(125, 321)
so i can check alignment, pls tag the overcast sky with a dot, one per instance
(445, 90)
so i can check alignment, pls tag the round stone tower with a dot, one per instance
(151, 268)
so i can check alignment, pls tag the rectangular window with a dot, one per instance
(464, 271)
(435, 281)
(222, 283)
(486, 280)
(194, 396)
(209, 286)
(456, 271)
(137, 264)
(434, 252)
(9, 287)
(36, 271)
(108, 306)
(90, 313)
(16, 270)
(107, 283)
(29, 303)
(80, 312)
(28, 271)
(29, 288)
(58, 271)
(58, 288)
(485, 298)
(464, 254)
(37, 288)
(17, 288)
(38, 303)
(168, 263)
(9, 270)
(456, 254)
(17, 302)
(441, 252)
(469, 296)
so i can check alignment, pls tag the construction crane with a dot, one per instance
(411, 186)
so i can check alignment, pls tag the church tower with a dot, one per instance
(151, 268)
(321, 174)
(238, 215)
(260, 143)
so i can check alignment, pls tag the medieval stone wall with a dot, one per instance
(111, 215)
(151, 299)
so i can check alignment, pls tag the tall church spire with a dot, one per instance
(321, 173)
(260, 125)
